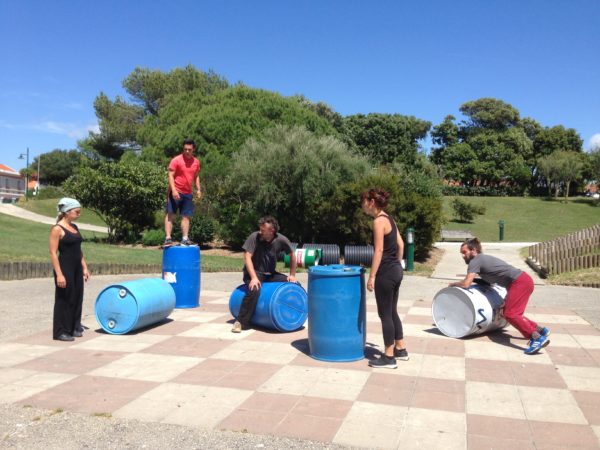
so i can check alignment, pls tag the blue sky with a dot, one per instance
(421, 58)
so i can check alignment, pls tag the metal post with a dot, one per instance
(410, 249)
(26, 173)
(501, 230)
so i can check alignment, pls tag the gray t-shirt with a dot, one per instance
(264, 254)
(493, 270)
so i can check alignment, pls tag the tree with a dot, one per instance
(125, 194)
(490, 113)
(56, 166)
(120, 121)
(561, 168)
(385, 138)
(289, 172)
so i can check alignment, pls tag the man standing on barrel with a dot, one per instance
(260, 258)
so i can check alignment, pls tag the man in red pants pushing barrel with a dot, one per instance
(519, 288)
(260, 258)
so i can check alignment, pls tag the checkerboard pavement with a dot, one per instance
(479, 392)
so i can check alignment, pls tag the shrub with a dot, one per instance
(153, 237)
(202, 229)
(50, 192)
(465, 211)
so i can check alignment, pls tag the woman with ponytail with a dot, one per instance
(386, 276)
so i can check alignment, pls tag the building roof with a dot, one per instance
(5, 170)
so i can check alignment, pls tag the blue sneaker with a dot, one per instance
(536, 345)
(545, 332)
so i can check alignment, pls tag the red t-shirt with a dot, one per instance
(184, 173)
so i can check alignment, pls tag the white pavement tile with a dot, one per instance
(323, 382)
(476, 349)
(30, 384)
(428, 428)
(443, 367)
(258, 351)
(122, 342)
(566, 319)
(372, 425)
(191, 405)
(216, 331)
(147, 367)
(550, 405)
(590, 342)
(491, 399)
(420, 311)
(10, 375)
(580, 378)
(564, 340)
(12, 353)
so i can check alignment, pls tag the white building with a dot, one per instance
(12, 184)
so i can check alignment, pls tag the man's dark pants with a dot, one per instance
(251, 298)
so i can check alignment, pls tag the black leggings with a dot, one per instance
(387, 287)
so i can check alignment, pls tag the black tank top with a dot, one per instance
(69, 249)
(390, 245)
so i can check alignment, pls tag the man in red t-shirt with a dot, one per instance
(184, 171)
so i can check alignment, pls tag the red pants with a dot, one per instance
(515, 303)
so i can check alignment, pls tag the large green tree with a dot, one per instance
(56, 166)
(385, 138)
(290, 173)
(149, 90)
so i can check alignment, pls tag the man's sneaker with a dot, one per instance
(237, 327)
(545, 332)
(536, 345)
(384, 362)
(186, 242)
(401, 354)
(168, 242)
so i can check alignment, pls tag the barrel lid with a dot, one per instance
(116, 309)
(336, 270)
(289, 307)
(453, 312)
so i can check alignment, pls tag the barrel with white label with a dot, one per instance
(459, 312)
(305, 257)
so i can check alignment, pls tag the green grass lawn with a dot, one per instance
(47, 207)
(526, 219)
(22, 240)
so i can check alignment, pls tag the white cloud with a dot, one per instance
(72, 130)
(595, 141)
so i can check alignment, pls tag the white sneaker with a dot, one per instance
(237, 327)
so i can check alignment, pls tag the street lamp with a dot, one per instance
(22, 156)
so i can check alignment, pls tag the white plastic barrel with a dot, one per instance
(459, 312)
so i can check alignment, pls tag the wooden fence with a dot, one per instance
(579, 250)
(25, 270)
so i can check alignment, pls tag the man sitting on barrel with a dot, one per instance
(260, 258)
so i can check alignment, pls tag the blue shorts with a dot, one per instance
(184, 205)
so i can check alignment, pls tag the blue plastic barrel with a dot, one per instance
(121, 308)
(181, 268)
(281, 306)
(336, 312)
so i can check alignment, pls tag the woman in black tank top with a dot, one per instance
(386, 276)
(70, 271)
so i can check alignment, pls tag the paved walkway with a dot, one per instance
(475, 393)
(12, 210)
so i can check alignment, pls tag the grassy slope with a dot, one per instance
(47, 207)
(527, 219)
(22, 240)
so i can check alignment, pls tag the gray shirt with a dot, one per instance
(493, 270)
(264, 254)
